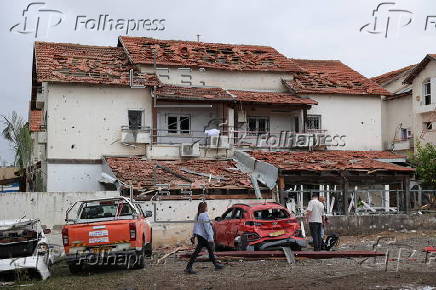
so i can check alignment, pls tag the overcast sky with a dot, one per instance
(327, 29)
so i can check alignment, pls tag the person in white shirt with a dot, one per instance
(204, 233)
(314, 215)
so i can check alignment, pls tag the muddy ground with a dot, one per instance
(341, 273)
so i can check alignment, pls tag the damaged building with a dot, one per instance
(167, 118)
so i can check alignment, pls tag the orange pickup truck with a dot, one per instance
(111, 231)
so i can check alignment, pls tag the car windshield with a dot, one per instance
(105, 209)
(271, 214)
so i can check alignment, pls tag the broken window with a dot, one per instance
(179, 124)
(428, 125)
(258, 125)
(427, 92)
(135, 119)
(313, 122)
(271, 214)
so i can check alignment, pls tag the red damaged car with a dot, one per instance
(258, 226)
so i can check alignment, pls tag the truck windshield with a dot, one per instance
(105, 209)
(271, 214)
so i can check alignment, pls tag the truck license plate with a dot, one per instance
(99, 233)
(276, 234)
(99, 240)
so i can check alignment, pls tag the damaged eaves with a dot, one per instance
(171, 92)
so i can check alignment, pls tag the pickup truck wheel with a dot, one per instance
(75, 268)
(140, 259)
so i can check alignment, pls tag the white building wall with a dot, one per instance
(84, 122)
(424, 113)
(241, 80)
(356, 117)
(398, 114)
(73, 177)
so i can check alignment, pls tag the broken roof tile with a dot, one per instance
(235, 57)
(271, 98)
(35, 120)
(74, 63)
(331, 77)
(331, 160)
(392, 75)
(172, 92)
(144, 173)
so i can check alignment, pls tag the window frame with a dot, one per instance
(257, 118)
(314, 116)
(178, 123)
(426, 94)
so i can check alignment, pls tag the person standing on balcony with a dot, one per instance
(314, 215)
(204, 233)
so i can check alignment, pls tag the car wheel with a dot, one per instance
(75, 268)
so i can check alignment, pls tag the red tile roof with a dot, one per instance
(172, 92)
(141, 173)
(330, 160)
(74, 63)
(221, 56)
(35, 120)
(419, 67)
(271, 98)
(392, 75)
(331, 77)
(192, 93)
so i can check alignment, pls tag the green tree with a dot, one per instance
(424, 160)
(17, 132)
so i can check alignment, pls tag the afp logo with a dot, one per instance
(37, 19)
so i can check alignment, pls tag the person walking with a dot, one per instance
(314, 215)
(204, 233)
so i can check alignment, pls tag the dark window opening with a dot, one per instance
(179, 124)
(135, 119)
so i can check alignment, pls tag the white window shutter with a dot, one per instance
(433, 90)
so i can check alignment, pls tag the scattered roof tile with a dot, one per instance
(331, 160)
(271, 98)
(192, 93)
(74, 63)
(418, 68)
(35, 120)
(218, 94)
(233, 57)
(331, 77)
(144, 174)
(392, 75)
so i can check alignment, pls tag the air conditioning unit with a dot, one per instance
(136, 136)
(190, 150)
(221, 142)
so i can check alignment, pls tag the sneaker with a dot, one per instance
(219, 266)
(190, 271)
